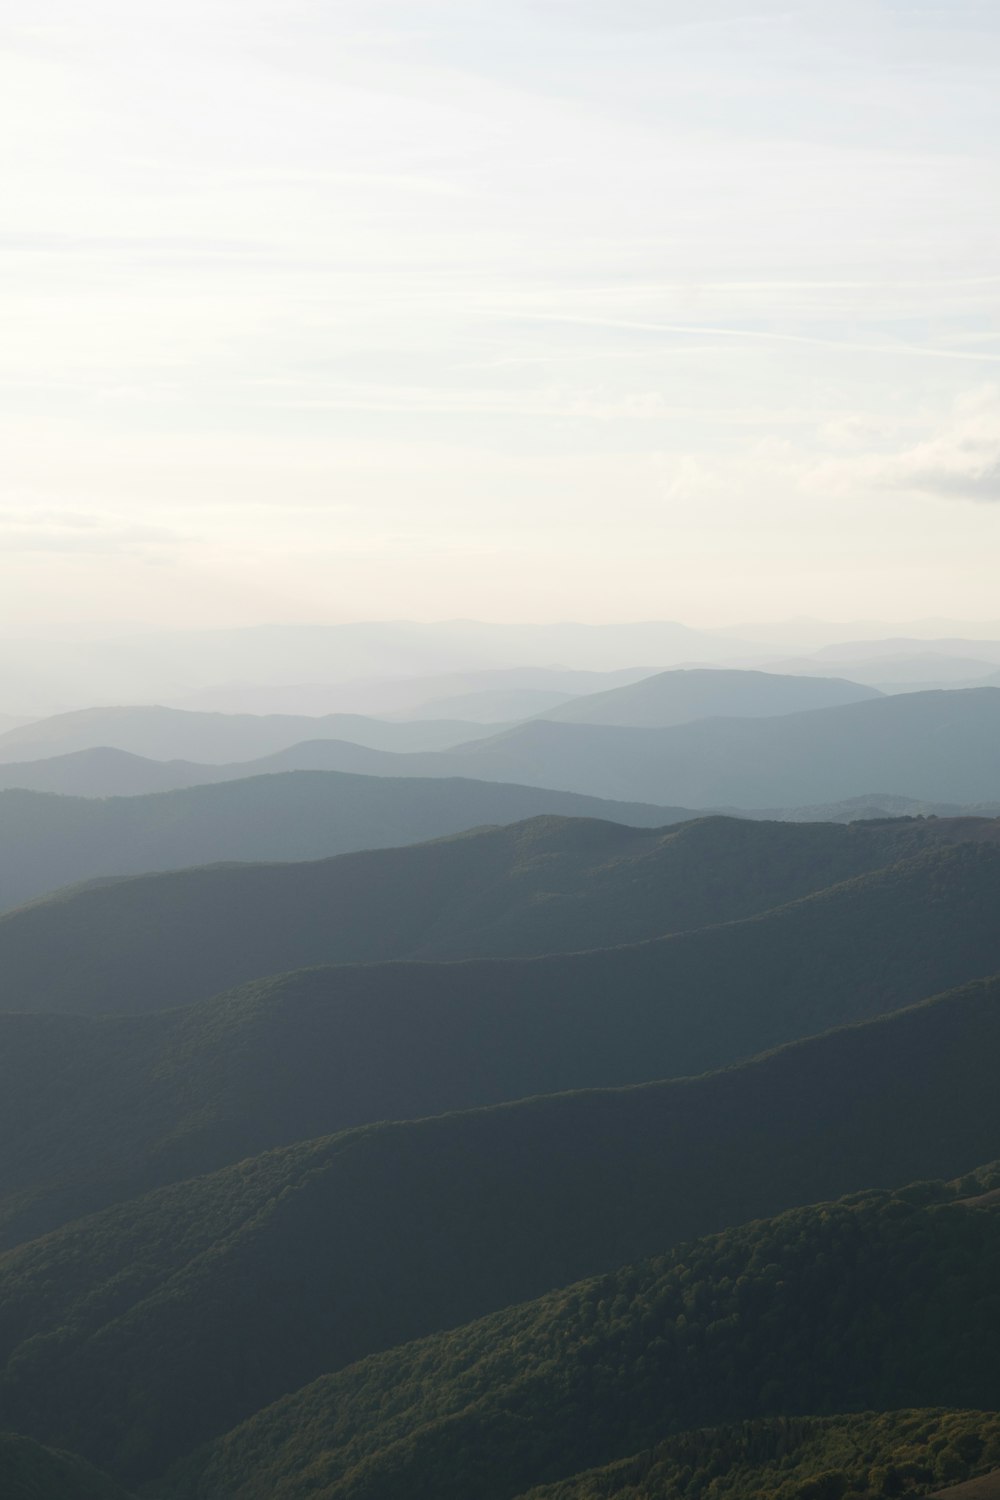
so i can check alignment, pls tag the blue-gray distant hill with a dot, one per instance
(936, 747)
(679, 696)
(48, 841)
(933, 747)
(216, 738)
(940, 746)
(201, 746)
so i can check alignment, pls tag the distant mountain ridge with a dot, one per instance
(936, 747)
(47, 841)
(681, 696)
(183, 734)
(214, 739)
(171, 664)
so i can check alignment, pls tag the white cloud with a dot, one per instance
(962, 459)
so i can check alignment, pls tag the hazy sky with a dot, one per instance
(320, 309)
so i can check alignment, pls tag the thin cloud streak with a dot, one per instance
(760, 334)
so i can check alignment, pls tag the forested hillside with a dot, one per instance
(29, 1471)
(802, 1458)
(924, 923)
(254, 1280)
(549, 1056)
(101, 1108)
(877, 1302)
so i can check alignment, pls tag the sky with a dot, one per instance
(320, 310)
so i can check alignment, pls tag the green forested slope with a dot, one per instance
(542, 887)
(49, 841)
(252, 1281)
(885, 1300)
(801, 1458)
(29, 1471)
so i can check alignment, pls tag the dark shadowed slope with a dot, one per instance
(549, 885)
(175, 733)
(680, 696)
(250, 1282)
(28, 1471)
(47, 842)
(96, 1110)
(804, 1313)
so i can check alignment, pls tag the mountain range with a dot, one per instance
(371, 1131)
(215, 738)
(914, 907)
(177, 734)
(936, 747)
(50, 841)
(793, 1315)
(252, 1281)
(166, 666)
(681, 696)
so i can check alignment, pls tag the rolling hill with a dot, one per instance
(778, 1316)
(29, 1471)
(169, 665)
(891, 935)
(933, 747)
(103, 1108)
(786, 1458)
(938, 746)
(48, 841)
(182, 734)
(250, 1282)
(104, 772)
(680, 696)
